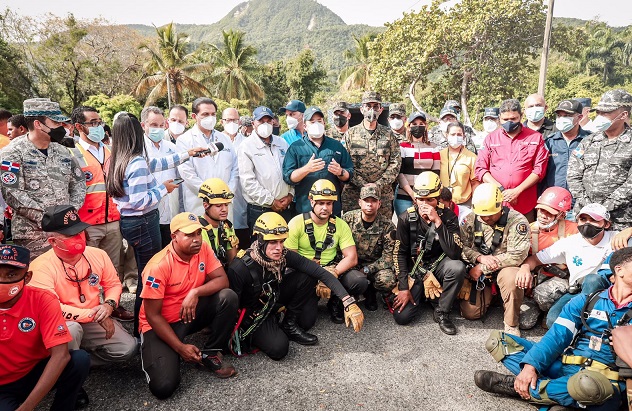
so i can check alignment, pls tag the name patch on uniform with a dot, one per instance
(152, 282)
(93, 279)
(522, 228)
(202, 266)
(10, 166)
(598, 314)
(26, 324)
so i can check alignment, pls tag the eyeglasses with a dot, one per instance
(324, 192)
(274, 231)
(93, 123)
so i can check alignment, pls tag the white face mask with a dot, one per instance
(534, 114)
(176, 128)
(315, 130)
(455, 141)
(602, 123)
(489, 125)
(292, 123)
(264, 130)
(208, 123)
(443, 126)
(231, 128)
(564, 124)
(396, 123)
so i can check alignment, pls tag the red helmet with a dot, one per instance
(555, 199)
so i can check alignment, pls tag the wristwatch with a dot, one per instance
(111, 303)
(366, 270)
(342, 173)
(501, 188)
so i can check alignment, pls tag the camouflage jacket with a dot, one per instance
(374, 244)
(436, 136)
(335, 134)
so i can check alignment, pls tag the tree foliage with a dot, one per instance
(357, 76)
(109, 106)
(304, 76)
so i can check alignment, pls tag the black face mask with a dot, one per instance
(510, 126)
(340, 121)
(276, 130)
(589, 231)
(417, 131)
(56, 134)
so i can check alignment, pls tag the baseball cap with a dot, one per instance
(63, 219)
(493, 112)
(596, 211)
(370, 190)
(340, 106)
(614, 99)
(35, 107)
(14, 255)
(570, 106)
(307, 116)
(453, 104)
(416, 115)
(185, 222)
(262, 111)
(371, 97)
(445, 111)
(586, 102)
(293, 105)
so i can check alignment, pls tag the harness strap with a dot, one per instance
(329, 237)
(592, 365)
(497, 238)
(222, 241)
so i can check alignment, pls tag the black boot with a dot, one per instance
(445, 323)
(334, 305)
(496, 383)
(295, 333)
(82, 400)
(370, 299)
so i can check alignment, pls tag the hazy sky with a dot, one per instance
(374, 13)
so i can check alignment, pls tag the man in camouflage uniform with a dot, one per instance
(451, 112)
(397, 120)
(374, 235)
(37, 173)
(600, 168)
(375, 154)
(341, 117)
(496, 240)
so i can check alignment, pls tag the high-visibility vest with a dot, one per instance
(98, 207)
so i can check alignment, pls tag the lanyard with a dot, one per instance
(82, 297)
(453, 164)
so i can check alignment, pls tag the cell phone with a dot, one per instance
(177, 181)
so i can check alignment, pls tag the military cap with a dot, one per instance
(371, 97)
(586, 102)
(35, 107)
(570, 106)
(340, 106)
(63, 219)
(397, 108)
(453, 104)
(245, 121)
(446, 111)
(493, 112)
(370, 190)
(613, 100)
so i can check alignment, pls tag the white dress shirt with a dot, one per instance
(168, 206)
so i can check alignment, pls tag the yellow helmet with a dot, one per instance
(271, 226)
(427, 185)
(323, 190)
(215, 191)
(487, 199)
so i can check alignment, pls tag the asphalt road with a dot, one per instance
(384, 367)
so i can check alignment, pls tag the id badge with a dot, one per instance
(595, 343)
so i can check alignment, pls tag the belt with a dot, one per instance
(592, 365)
(259, 208)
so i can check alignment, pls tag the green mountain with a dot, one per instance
(280, 29)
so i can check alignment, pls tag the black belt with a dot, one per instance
(259, 208)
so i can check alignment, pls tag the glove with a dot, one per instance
(432, 287)
(322, 291)
(332, 269)
(353, 315)
(466, 290)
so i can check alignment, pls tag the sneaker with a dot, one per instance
(512, 330)
(214, 361)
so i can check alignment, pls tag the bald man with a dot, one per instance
(535, 110)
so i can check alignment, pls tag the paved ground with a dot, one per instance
(384, 367)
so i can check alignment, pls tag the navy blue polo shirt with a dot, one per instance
(559, 153)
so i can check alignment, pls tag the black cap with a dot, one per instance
(63, 219)
(14, 255)
(493, 112)
(570, 106)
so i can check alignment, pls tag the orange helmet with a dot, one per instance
(555, 200)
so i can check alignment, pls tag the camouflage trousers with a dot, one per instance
(351, 195)
(37, 246)
(383, 280)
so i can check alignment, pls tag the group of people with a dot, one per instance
(242, 232)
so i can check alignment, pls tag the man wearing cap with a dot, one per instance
(450, 113)
(340, 120)
(600, 167)
(490, 123)
(585, 122)
(563, 142)
(375, 155)
(245, 126)
(186, 290)
(34, 356)
(294, 118)
(397, 120)
(314, 157)
(221, 165)
(36, 174)
(374, 236)
(75, 273)
(535, 109)
(260, 163)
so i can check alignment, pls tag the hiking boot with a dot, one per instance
(496, 383)
(512, 330)
(82, 400)
(295, 333)
(445, 323)
(370, 299)
(334, 305)
(214, 361)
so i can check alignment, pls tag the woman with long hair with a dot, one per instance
(136, 193)
(457, 166)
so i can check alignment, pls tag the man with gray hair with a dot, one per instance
(600, 168)
(513, 158)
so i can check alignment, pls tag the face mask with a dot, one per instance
(417, 131)
(56, 134)
(156, 134)
(176, 128)
(369, 115)
(602, 123)
(549, 225)
(208, 122)
(511, 126)
(96, 134)
(264, 130)
(340, 121)
(396, 123)
(589, 231)
(72, 246)
(489, 125)
(316, 130)
(292, 123)
(455, 141)
(443, 126)
(276, 130)
(564, 124)
(534, 114)
(9, 290)
(231, 128)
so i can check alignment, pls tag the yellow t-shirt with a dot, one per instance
(460, 175)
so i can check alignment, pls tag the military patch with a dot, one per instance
(202, 266)
(393, 234)
(9, 178)
(522, 228)
(457, 240)
(578, 152)
(10, 166)
(89, 176)
(93, 279)
(34, 185)
(26, 324)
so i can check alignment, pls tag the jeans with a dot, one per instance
(254, 212)
(590, 284)
(401, 205)
(142, 233)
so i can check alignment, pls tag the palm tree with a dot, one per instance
(168, 70)
(606, 50)
(234, 69)
(357, 76)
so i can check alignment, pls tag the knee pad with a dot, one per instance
(500, 345)
(590, 388)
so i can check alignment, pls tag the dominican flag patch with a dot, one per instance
(152, 282)
(9, 166)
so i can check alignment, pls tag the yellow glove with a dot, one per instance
(322, 291)
(353, 315)
(332, 269)
(432, 287)
(466, 290)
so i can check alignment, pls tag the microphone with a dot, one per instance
(219, 146)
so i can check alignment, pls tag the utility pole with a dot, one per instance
(168, 90)
(545, 48)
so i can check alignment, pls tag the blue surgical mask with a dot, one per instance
(156, 134)
(602, 123)
(564, 124)
(96, 134)
(534, 113)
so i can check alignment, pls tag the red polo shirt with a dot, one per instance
(27, 331)
(511, 160)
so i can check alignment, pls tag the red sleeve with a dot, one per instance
(482, 162)
(52, 324)
(541, 159)
(155, 278)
